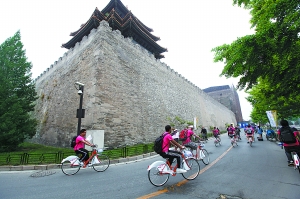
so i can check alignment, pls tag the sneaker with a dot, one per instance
(291, 163)
(180, 171)
(85, 164)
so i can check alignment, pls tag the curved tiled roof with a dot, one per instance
(119, 18)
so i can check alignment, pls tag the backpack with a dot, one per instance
(287, 136)
(73, 141)
(183, 135)
(248, 131)
(158, 144)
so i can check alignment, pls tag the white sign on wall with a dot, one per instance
(97, 138)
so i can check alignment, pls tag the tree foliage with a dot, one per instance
(269, 57)
(17, 94)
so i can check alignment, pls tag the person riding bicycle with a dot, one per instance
(79, 147)
(171, 154)
(231, 131)
(270, 133)
(216, 132)
(190, 133)
(238, 132)
(204, 133)
(289, 147)
(249, 132)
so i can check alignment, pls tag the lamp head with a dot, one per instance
(79, 84)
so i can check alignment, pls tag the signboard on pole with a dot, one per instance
(272, 116)
(195, 123)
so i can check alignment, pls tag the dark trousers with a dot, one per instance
(84, 154)
(289, 149)
(171, 155)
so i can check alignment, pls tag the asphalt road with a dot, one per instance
(258, 172)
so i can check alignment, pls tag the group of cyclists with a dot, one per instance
(235, 132)
(171, 137)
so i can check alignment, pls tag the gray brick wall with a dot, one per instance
(127, 93)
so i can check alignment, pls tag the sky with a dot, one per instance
(189, 29)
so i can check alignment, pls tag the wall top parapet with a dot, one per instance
(104, 27)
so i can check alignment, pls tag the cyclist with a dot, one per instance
(238, 132)
(216, 132)
(230, 130)
(204, 133)
(291, 147)
(171, 154)
(270, 133)
(249, 132)
(79, 147)
(190, 133)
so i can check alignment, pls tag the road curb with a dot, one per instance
(57, 166)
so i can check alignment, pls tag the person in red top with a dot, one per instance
(216, 132)
(79, 147)
(190, 133)
(292, 146)
(249, 132)
(231, 130)
(171, 154)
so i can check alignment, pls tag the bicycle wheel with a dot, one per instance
(102, 164)
(216, 143)
(69, 168)
(205, 159)
(156, 177)
(194, 170)
(250, 142)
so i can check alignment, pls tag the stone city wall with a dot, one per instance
(127, 93)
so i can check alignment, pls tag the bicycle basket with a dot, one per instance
(187, 153)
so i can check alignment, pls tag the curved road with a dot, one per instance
(244, 172)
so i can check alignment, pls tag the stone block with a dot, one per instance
(40, 167)
(123, 160)
(4, 168)
(115, 161)
(16, 168)
(132, 158)
(54, 166)
(27, 167)
(146, 155)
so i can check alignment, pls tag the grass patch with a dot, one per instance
(27, 147)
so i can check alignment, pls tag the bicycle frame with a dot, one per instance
(98, 161)
(161, 165)
(296, 160)
(199, 153)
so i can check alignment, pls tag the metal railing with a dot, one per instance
(55, 158)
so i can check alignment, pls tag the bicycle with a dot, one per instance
(217, 141)
(160, 171)
(233, 140)
(198, 151)
(250, 140)
(100, 162)
(296, 160)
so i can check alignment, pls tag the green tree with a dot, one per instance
(17, 94)
(272, 53)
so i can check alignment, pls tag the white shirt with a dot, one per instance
(176, 135)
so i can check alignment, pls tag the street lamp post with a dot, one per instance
(80, 111)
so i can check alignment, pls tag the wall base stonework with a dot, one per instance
(128, 93)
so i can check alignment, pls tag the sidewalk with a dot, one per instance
(57, 166)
